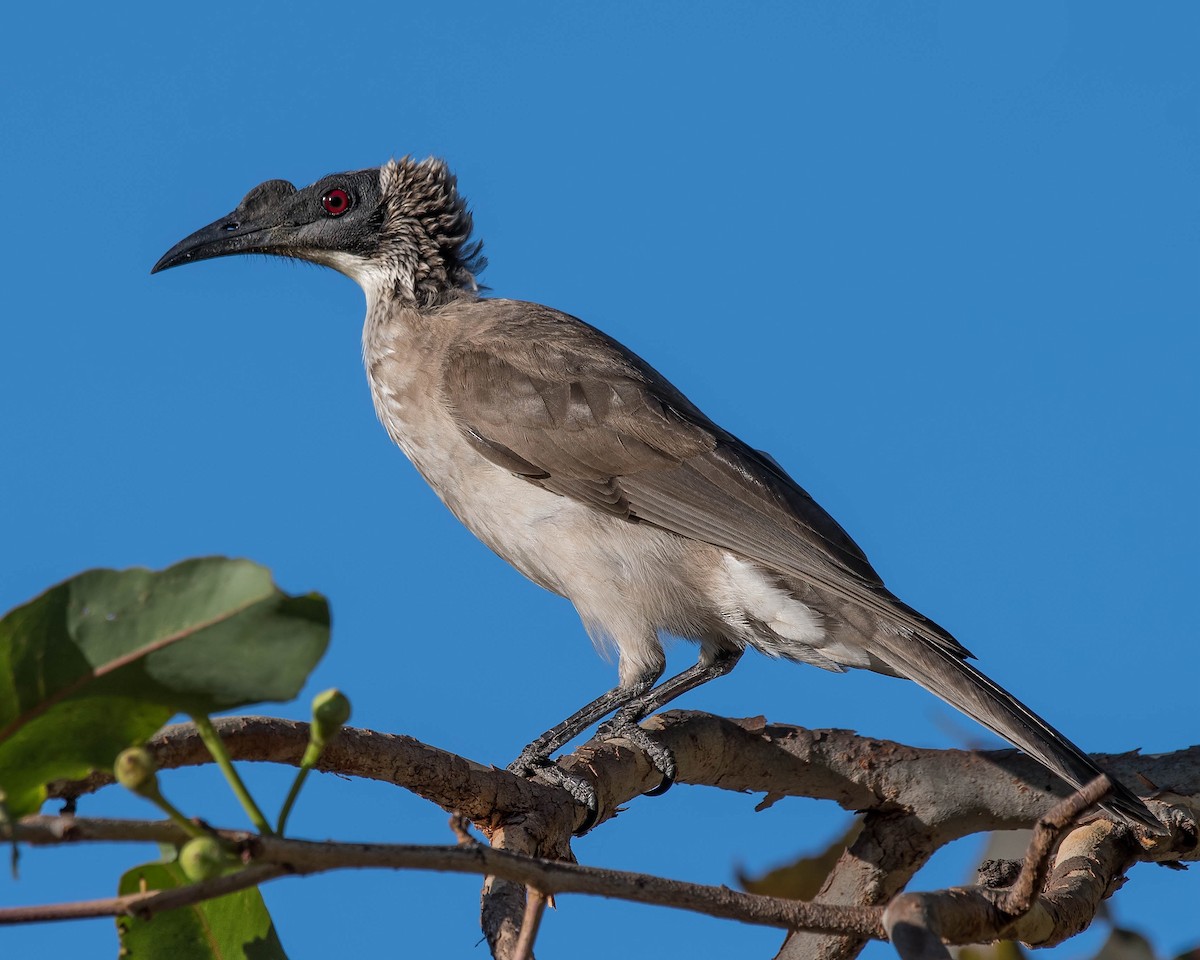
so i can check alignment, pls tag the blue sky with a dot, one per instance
(939, 259)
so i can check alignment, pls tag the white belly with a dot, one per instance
(628, 581)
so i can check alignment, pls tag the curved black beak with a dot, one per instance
(220, 239)
(258, 225)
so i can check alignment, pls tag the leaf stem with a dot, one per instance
(213, 741)
(330, 711)
(284, 813)
(172, 811)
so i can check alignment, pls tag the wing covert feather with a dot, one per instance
(573, 411)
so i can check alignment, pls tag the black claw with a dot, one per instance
(593, 814)
(659, 756)
(668, 781)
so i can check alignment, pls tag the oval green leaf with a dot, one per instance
(236, 926)
(101, 661)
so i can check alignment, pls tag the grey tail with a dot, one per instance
(961, 685)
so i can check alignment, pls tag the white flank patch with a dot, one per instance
(750, 601)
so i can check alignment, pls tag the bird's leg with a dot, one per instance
(631, 704)
(625, 723)
(537, 754)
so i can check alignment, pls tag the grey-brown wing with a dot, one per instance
(577, 414)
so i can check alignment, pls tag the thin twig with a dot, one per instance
(143, 904)
(919, 924)
(535, 907)
(1018, 899)
(549, 876)
(460, 826)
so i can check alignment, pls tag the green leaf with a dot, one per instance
(802, 879)
(1001, 950)
(1125, 945)
(101, 661)
(236, 926)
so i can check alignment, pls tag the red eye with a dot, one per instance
(336, 202)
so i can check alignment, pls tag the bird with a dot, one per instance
(591, 473)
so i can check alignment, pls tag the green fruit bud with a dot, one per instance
(203, 858)
(330, 710)
(136, 770)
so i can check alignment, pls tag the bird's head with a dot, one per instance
(401, 227)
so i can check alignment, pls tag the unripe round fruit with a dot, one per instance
(136, 770)
(203, 858)
(330, 710)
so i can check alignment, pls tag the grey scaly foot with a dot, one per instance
(660, 756)
(580, 790)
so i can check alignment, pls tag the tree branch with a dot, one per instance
(535, 906)
(275, 856)
(917, 801)
(1018, 900)
(889, 849)
(952, 792)
(919, 924)
(142, 904)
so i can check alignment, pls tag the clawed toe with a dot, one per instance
(532, 761)
(580, 790)
(667, 782)
(660, 756)
(528, 763)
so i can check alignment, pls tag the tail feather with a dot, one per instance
(962, 686)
